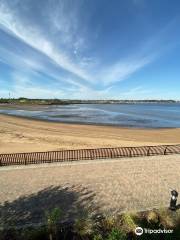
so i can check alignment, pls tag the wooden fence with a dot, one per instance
(85, 154)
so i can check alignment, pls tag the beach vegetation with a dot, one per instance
(128, 223)
(116, 234)
(52, 220)
(120, 227)
(83, 227)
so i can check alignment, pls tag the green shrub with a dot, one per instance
(52, 219)
(84, 226)
(165, 218)
(108, 223)
(152, 217)
(128, 223)
(116, 234)
(97, 237)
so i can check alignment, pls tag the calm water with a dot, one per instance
(127, 115)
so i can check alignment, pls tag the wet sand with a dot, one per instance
(28, 135)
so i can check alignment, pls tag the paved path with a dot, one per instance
(101, 185)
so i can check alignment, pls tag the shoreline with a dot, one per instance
(35, 119)
(37, 112)
(86, 123)
(23, 134)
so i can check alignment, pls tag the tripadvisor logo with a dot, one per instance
(138, 231)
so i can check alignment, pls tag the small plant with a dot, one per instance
(128, 223)
(152, 217)
(108, 223)
(52, 219)
(97, 237)
(116, 234)
(165, 220)
(84, 227)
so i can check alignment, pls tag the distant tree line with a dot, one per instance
(38, 101)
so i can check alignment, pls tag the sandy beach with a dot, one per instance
(27, 135)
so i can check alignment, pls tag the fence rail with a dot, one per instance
(85, 154)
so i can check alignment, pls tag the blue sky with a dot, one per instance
(90, 49)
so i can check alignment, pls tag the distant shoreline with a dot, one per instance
(45, 102)
(29, 105)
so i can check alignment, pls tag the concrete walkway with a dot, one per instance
(100, 185)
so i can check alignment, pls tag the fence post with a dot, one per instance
(49, 157)
(25, 162)
(111, 153)
(130, 152)
(165, 150)
(92, 154)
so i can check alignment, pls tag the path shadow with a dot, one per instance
(74, 201)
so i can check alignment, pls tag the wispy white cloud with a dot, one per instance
(151, 50)
(34, 92)
(32, 36)
(65, 22)
(122, 70)
(11, 23)
(33, 68)
(19, 61)
(23, 86)
(61, 48)
(90, 93)
(135, 92)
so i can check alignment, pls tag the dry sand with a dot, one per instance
(27, 135)
(101, 185)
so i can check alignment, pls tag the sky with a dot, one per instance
(90, 49)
